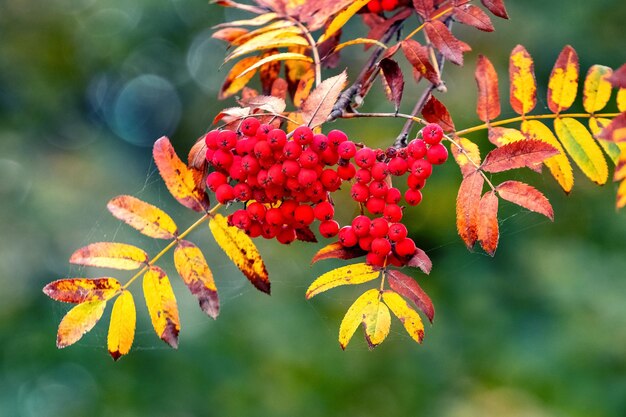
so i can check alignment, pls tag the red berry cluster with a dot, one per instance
(286, 184)
(377, 6)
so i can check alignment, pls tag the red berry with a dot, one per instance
(242, 191)
(389, 5)
(241, 219)
(304, 215)
(422, 168)
(288, 208)
(269, 231)
(249, 126)
(226, 139)
(346, 172)
(379, 227)
(324, 211)
(286, 235)
(361, 225)
(379, 171)
(359, 192)
(329, 228)
(378, 189)
(330, 180)
(329, 156)
(393, 260)
(375, 260)
(393, 196)
(405, 247)
(214, 180)
(224, 193)
(274, 217)
(211, 139)
(437, 154)
(414, 182)
(346, 149)
(375, 205)
(417, 149)
(397, 232)
(255, 230)
(256, 211)
(365, 157)
(222, 159)
(303, 135)
(263, 131)
(250, 165)
(381, 246)
(306, 177)
(292, 150)
(365, 242)
(275, 174)
(432, 133)
(308, 159)
(392, 212)
(262, 150)
(320, 143)
(363, 176)
(413, 197)
(397, 166)
(347, 237)
(374, 6)
(336, 138)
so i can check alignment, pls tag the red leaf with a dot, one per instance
(525, 196)
(523, 153)
(488, 233)
(379, 26)
(409, 288)
(449, 46)
(392, 76)
(422, 261)
(616, 130)
(467, 202)
(618, 79)
(423, 8)
(305, 234)
(178, 178)
(472, 15)
(488, 106)
(337, 251)
(435, 112)
(417, 55)
(496, 7)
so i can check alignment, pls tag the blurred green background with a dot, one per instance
(86, 86)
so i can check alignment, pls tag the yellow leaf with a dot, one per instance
(341, 18)
(411, 321)
(78, 321)
(468, 157)
(621, 195)
(583, 149)
(279, 38)
(349, 274)
(523, 94)
(377, 322)
(305, 84)
(611, 148)
(359, 41)
(356, 314)
(253, 34)
(597, 90)
(148, 219)
(257, 21)
(241, 250)
(559, 165)
(563, 82)
(162, 305)
(110, 255)
(235, 80)
(295, 120)
(621, 99)
(82, 290)
(195, 272)
(122, 326)
(500, 136)
(285, 56)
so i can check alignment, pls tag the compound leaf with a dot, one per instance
(518, 154)
(122, 326)
(525, 196)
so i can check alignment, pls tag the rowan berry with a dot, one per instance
(214, 180)
(347, 237)
(226, 139)
(262, 150)
(375, 260)
(379, 171)
(389, 5)
(304, 215)
(263, 131)
(242, 191)
(346, 172)
(329, 156)
(437, 154)
(319, 143)
(361, 225)
(381, 246)
(392, 212)
(346, 149)
(303, 135)
(274, 217)
(330, 180)
(359, 192)
(254, 230)
(365, 157)
(256, 211)
(290, 168)
(374, 6)
(240, 219)
(336, 138)
(365, 242)
(249, 126)
(329, 228)
(422, 168)
(288, 208)
(277, 138)
(393, 196)
(375, 205)
(413, 197)
(417, 149)
(432, 133)
(405, 247)
(224, 193)
(378, 189)
(414, 182)
(379, 227)
(397, 166)
(210, 139)
(292, 150)
(324, 211)
(363, 176)
(286, 235)
(397, 232)
(308, 159)
(306, 177)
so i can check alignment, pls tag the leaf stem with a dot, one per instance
(532, 117)
(396, 115)
(173, 243)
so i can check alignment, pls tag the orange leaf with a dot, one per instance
(488, 106)
(78, 321)
(563, 82)
(122, 325)
(525, 196)
(409, 317)
(162, 306)
(337, 251)
(596, 90)
(409, 288)
(229, 34)
(488, 233)
(496, 7)
(234, 80)
(148, 219)
(241, 250)
(417, 55)
(621, 100)
(523, 90)
(318, 106)
(345, 275)
(442, 39)
(269, 72)
(341, 18)
(473, 16)
(195, 272)
(283, 56)
(524, 153)
(110, 255)
(81, 290)
(621, 195)
(178, 178)
(435, 112)
(467, 155)
(616, 130)
(500, 136)
(355, 315)
(467, 202)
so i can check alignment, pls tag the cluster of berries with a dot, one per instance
(377, 6)
(286, 184)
